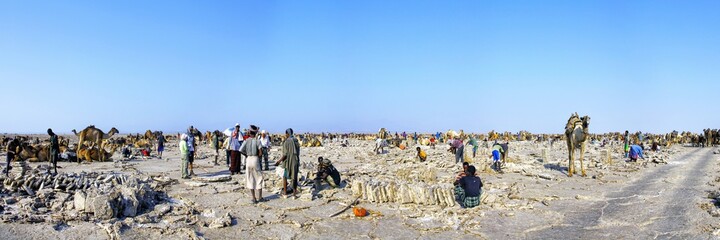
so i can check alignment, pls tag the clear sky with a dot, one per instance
(651, 66)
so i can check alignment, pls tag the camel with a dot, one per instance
(208, 136)
(149, 135)
(142, 143)
(709, 136)
(26, 152)
(312, 142)
(492, 135)
(451, 134)
(94, 135)
(90, 154)
(576, 132)
(383, 133)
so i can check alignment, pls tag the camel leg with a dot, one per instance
(100, 150)
(582, 156)
(571, 168)
(79, 146)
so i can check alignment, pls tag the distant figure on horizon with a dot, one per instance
(627, 142)
(161, 144)
(54, 149)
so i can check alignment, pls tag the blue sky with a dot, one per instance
(359, 65)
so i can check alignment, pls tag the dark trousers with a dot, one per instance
(227, 157)
(235, 162)
(10, 157)
(265, 157)
(294, 180)
(54, 155)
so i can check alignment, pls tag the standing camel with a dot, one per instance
(94, 135)
(576, 133)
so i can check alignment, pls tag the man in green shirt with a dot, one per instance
(291, 161)
(473, 142)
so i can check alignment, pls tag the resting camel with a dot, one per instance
(576, 132)
(90, 154)
(94, 135)
(312, 142)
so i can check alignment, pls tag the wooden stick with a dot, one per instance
(345, 208)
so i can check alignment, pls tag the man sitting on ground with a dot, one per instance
(459, 192)
(472, 186)
(326, 172)
(126, 153)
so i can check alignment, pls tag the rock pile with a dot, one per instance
(39, 197)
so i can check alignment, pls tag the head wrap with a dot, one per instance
(253, 130)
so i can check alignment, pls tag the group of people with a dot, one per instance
(233, 145)
(498, 154)
(13, 148)
(632, 152)
(254, 147)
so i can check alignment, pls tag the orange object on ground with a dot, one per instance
(360, 212)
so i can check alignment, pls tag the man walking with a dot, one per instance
(12, 148)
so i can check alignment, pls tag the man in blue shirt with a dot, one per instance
(191, 148)
(635, 152)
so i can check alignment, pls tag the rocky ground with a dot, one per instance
(671, 194)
